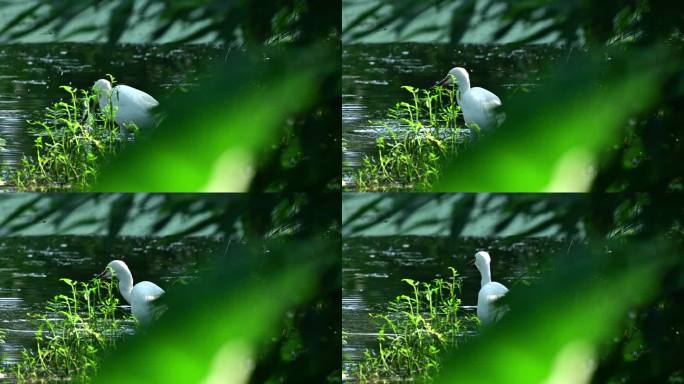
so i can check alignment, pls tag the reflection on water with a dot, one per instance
(373, 267)
(30, 76)
(30, 269)
(373, 74)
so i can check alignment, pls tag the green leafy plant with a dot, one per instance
(73, 332)
(421, 135)
(416, 331)
(73, 142)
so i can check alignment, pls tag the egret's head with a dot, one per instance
(114, 268)
(102, 86)
(482, 260)
(458, 75)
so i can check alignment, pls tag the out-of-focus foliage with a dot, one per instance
(243, 122)
(614, 298)
(561, 327)
(554, 136)
(609, 121)
(234, 21)
(220, 327)
(268, 119)
(643, 21)
(266, 310)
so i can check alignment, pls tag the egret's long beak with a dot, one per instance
(447, 81)
(104, 274)
(443, 82)
(471, 262)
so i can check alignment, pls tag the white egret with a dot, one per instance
(477, 104)
(141, 297)
(487, 311)
(131, 106)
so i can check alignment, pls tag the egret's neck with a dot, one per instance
(486, 275)
(463, 84)
(125, 284)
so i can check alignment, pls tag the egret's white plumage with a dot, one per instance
(131, 106)
(141, 296)
(487, 311)
(477, 104)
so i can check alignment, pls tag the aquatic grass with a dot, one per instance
(74, 330)
(416, 331)
(73, 141)
(420, 136)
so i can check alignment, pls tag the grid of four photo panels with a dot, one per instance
(359, 191)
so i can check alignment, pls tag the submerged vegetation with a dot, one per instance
(74, 140)
(421, 135)
(73, 332)
(416, 331)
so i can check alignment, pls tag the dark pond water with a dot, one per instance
(30, 76)
(30, 269)
(373, 74)
(373, 267)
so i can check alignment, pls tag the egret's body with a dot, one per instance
(490, 291)
(141, 296)
(131, 106)
(477, 104)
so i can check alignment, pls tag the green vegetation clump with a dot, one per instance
(415, 332)
(73, 332)
(73, 141)
(411, 158)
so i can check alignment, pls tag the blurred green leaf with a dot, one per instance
(213, 331)
(21, 16)
(551, 139)
(118, 213)
(211, 139)
(555, 328)
(118, 20)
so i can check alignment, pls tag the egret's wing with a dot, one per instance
(496, 294)
(485, 98)
(496, 290)
(483, 105)
(150, 291)
(148, 101)
(132, 106)
(153, 297)
(159, 306)
(135, 97)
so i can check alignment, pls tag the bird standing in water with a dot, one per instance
(490, 291)
(477, 104)
(142, 296)
(131, 106)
